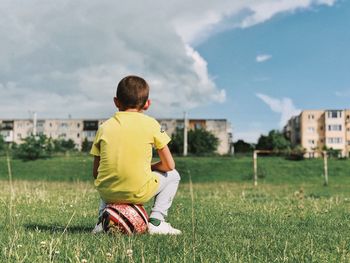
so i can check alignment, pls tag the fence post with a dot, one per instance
(325, 167)
(255, 167)
(185, 135)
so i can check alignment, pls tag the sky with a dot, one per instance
(255, 63)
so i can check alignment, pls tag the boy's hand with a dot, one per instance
(166, 162)
(96, 165)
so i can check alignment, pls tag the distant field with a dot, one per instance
(289, 217)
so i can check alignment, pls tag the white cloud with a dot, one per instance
(263, 58)
(284, 106)
(67, 56)
(265, 10)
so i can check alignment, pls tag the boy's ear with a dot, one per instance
(116, 102)
(147, 105)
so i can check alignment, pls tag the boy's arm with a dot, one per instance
(96, 165)
(166, 162)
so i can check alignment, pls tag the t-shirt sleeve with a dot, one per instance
(95, 149)
(161, 139)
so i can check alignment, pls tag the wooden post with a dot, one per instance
(325, 168)
(185, 135)
(255, 167)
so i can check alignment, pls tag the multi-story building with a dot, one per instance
(221, 128)
(316, 130)
(79, 129)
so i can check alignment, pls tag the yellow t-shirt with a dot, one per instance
(124, 144)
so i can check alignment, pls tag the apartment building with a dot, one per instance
(316, 130)
(74, 129)
(79, 129)
(221, 128)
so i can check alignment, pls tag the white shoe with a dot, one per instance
(163, 229)
(97, 229)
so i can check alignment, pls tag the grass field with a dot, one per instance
(50, 209)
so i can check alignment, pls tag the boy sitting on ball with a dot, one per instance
(122, 152)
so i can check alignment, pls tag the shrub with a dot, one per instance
(62, 145)
(34, 147)
(200, 142)
(243, 147)
(275, 141)
(2, 143)
(86, 145)
(296, 154)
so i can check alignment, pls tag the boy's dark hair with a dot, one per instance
(132, 92)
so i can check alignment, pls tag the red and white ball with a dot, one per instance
(125, 218)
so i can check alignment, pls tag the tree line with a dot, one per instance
(41, 146)
(200, 143)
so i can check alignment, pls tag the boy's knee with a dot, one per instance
(174, 175)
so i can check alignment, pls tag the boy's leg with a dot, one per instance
(100, 209)
(168, 184)
(98, 227)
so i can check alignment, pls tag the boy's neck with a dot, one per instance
(132, 110)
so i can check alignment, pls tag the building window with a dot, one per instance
(78, 125)
(19, 135)
(64, 125)
(311, 117)
(198, 126)
(348, 142)
(78, 135)
(335, 140)
(90, 134)
(333, 114)
(348, 129)
(311, 142)
(90, 125)
(334, 127)
(180, 125)
(311, 129)
(50, 124)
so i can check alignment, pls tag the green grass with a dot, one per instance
(289, 217)
(273, 170)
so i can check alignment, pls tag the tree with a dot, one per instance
(176, 144)
(86, 145)
(34, 147)
(200, 142)
(296, 153)
(333, 153)
(2, 143)
(243, 147)
(62, 145)
(274, 141)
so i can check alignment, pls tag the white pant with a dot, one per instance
(168, 184)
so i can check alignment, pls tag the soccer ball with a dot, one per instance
(125, 218)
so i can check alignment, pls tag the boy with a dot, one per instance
(122, 152)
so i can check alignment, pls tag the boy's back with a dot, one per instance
(122, 152)
(124, 144)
